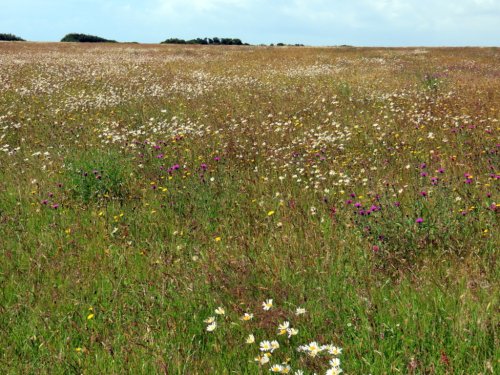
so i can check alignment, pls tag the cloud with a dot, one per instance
(198, 6)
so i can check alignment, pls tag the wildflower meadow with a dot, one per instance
(178, 209)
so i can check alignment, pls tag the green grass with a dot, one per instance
(117, 274)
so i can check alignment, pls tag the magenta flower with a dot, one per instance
(419, 220)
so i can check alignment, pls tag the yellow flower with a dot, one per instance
(218, 239)
(270, 213)
(247, 317)
(90, 316)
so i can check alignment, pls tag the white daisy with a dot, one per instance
(267, 304)
(220, 311)
(211, 327)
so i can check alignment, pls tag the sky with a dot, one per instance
(310, 22)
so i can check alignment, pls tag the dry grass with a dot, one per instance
(142, 186)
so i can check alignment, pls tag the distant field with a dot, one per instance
(144, 187)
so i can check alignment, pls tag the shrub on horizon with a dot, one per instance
(206, 41)
(84, 38)
(11, 38)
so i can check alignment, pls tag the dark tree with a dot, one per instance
(207, 41)
(84, 38)
(10, 38)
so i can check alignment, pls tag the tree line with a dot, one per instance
(10, 38)
(207, 41)
(85, 38)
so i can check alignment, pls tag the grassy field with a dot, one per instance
(142, 188)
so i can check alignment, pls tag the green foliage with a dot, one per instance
(84, 38)
(431, 82)
(97, 175)
(240, 194)
(206, 41)
(10, 38)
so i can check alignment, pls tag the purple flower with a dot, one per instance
(397, 204)
(55, 206)
(357, 205)
(423, 193)
(419, 220)
(203, 167)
